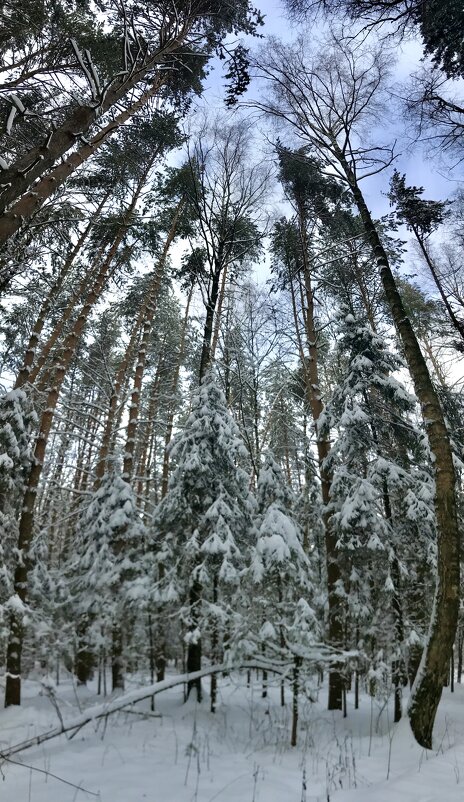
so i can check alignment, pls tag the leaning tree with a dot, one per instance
(329, 101)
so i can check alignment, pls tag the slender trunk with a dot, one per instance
(427, 690)
(281, 638)
(26, 524)
(160, 657)
(205, 359)
(30, 354)
(84, 660)
(457, 324)
(123, 369)
(146, 434)
(175, 382)
(117, 661)
(314, 399)
(134, 406)
(398, 667)
(217, 324)
(295, 692)
(45, 351)
(152, 659)
(194, 644)
(363, 291)
(460, 652)
(214, 647)
(264, 689)
(427, 345)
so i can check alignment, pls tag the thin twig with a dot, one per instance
(50, 774)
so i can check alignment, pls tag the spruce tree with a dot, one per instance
(102, 572)
(381, 493)
(201, 528)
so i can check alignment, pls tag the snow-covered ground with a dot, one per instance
(240, 754)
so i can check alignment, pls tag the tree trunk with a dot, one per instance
(30, 354)
(129, 451)
(26, 524)
(460, 652)
(134, 406)
(84, 661)
(40, 362)
(146, 433)
(314, 399)
(194, 644)
(175, 382)
(217, 325)
(214, 647)
(457, 324)
(205, 359)
(428, 686)
(117, 661)
(295, 692)
(34, 165)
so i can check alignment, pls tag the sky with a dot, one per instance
(439, 181)
(421, 169)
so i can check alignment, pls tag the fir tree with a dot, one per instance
(201, 528)
(17, 419)
(381, 494)
(280, 569)
(103, 574)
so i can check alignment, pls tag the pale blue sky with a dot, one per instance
(439, 181)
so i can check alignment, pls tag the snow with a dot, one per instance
(187, 754)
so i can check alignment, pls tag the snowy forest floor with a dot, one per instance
(240, 754)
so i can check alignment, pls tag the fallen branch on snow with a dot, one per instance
(138, 695)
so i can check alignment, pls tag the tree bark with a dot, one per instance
(175, 382)
(217, 324)
(26, 524)
(17, 178)
(314, 399)
(295, 692)
(214, 647)
(194, 646)
(457, 324)
(35, 375)
(205, 359)
(433, 670)
(30, 354)
(128, 464)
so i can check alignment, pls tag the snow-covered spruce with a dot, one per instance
(202, 529)
(381, 499)
(17, 419)
(105, 573)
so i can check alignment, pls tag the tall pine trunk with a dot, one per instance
(34, 338)
(433, 670)
(314, 399)
(175, 382)
(26, 524)
(16, 202)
